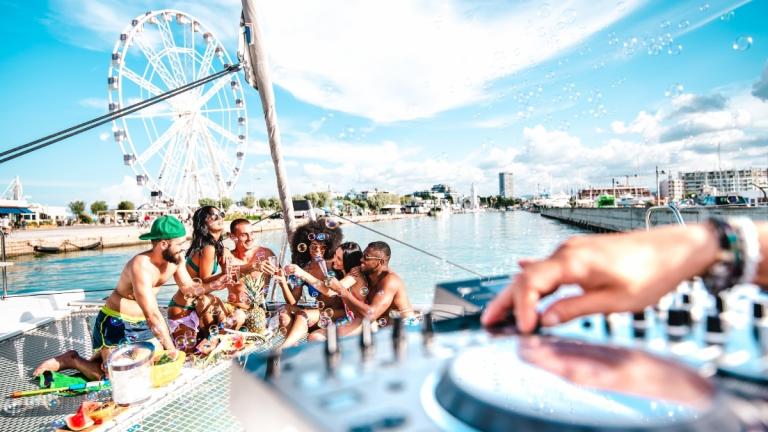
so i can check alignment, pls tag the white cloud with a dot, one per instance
(387, 61)
(127, 189)
(94, 102)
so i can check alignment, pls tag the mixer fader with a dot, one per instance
(693, 362)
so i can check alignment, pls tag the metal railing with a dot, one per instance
(3, 264)
(675, 211)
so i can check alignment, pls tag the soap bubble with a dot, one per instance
(742, 43)
(364, 291)
(331, 223)
(324, 322)
(674, 90)
(320, 237)
(213, 330)
(703, 7)
(311, 236)
(328, 312)
(684, 24)
(674, 49)
(301, 247)
(382, 322)
(728, 16)
(320, 305)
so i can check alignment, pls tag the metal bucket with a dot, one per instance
(129, 373)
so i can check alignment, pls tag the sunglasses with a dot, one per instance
(368, 257)
(216, 215)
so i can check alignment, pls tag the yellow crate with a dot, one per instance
(165, 373)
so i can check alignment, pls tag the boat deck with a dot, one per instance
(197, 400)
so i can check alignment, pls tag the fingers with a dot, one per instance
(537, 279)
(591, 302)
(497, 309)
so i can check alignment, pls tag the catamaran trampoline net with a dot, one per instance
(202, 406)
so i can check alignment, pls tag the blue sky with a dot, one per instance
(404, 94)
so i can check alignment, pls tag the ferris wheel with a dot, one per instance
(192, 145)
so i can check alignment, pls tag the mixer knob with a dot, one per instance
(758, 310)
(366, 340)
(607, 326)
(719, 303)
(427, 330)
(714, 334)
(273, 366)
(678, 321)
(639, 324)
(398, 337)
(332, 351)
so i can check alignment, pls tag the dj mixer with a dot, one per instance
(691, 363)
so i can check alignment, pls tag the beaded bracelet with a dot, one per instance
(729, 267)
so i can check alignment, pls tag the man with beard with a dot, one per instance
(131, 313)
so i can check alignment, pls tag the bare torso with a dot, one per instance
(123, 299)
(400, 302)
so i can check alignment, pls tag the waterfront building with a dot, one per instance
(672, 189)
(592, 193)
(725, 181)
(506, 187)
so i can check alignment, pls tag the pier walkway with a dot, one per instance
(632, 218)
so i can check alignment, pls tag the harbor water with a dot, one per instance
(487, 243)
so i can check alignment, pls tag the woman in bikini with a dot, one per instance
(205, 257)
(313, 248)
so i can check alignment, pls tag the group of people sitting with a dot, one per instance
(347, 285)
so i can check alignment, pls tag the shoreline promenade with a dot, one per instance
(73, 238)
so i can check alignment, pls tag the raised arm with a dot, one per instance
(307, 277)
(618, 272)
(189, 288)
(141, 272)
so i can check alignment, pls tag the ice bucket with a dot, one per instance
(129, 373)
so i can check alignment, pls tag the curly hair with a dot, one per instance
(201, 237)
(332, 238)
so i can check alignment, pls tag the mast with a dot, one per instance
(255, 67)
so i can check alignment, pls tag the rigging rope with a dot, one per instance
(415, 248)
(37, 144)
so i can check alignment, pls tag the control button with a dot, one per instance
(395, 386)
(386, 423)
(341, 400)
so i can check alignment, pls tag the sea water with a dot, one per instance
(486, 243)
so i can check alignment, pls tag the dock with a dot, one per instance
(632, 218)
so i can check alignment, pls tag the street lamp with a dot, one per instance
(658, 189)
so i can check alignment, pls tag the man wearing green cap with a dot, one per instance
(131, 313)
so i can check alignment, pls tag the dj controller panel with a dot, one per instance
(693, 362)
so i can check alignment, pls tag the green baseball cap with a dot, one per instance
(165, 228)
